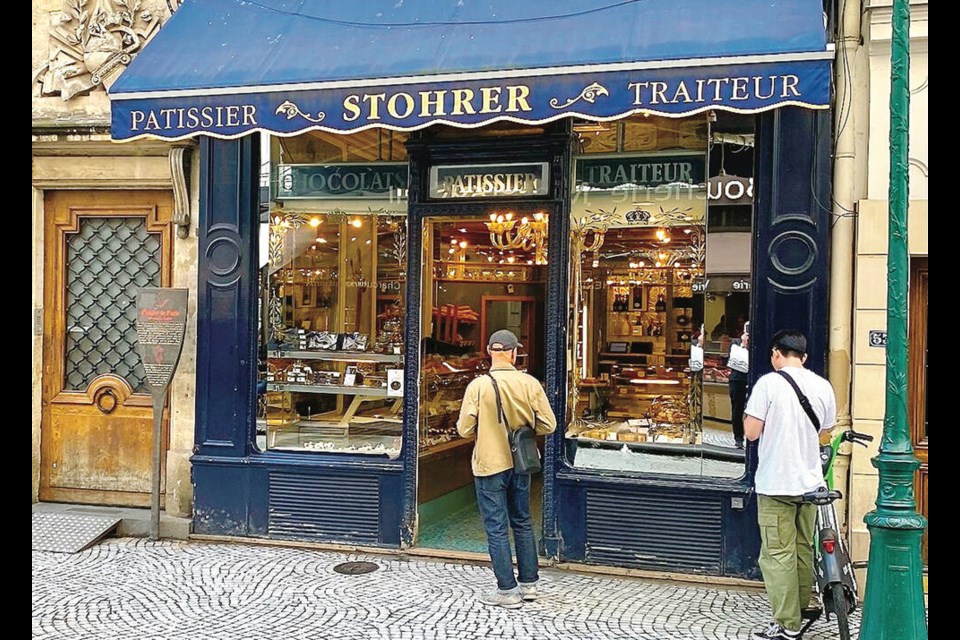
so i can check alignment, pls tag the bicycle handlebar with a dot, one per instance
(860, 438)
(822, 496)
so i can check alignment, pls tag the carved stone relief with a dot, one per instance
(94, 39)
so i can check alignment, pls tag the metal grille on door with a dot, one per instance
(108, 259)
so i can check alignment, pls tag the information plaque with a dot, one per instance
(161, 325)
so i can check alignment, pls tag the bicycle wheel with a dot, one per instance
(839, 601)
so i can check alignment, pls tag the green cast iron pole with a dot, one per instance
(894, 609)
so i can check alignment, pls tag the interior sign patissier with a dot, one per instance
(489, 180)
(535, 99)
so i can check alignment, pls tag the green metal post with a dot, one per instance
(894, 609)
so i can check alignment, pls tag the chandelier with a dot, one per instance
(526, 234)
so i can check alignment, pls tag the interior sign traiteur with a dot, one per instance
(490, 180)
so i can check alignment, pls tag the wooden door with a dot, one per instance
(918, 382)
(97, 424)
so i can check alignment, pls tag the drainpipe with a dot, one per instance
(848, 180)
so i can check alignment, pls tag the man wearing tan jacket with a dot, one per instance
(504, 496)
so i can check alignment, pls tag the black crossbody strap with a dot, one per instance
(501, 416)
(804, 401)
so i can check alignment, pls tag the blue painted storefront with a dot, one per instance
(632, 520)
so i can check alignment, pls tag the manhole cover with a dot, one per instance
(355, 568)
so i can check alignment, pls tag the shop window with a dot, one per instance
(333, 283)
(641, 134)
(643, 294)
(320, 147)
(730, 218)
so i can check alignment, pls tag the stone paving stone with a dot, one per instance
(172, 590)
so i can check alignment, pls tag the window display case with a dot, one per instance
(334, 362)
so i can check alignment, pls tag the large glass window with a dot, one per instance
(645, 291)
(331, 360)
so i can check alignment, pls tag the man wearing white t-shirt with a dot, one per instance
(789, 466)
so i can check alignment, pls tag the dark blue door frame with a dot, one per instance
(228, 230)
(554, 147)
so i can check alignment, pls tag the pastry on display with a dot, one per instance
(670, 410)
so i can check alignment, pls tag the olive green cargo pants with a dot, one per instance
(786, 555)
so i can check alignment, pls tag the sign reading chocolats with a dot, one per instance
(531, 99)
(340, 180)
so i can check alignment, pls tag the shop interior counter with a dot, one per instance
(447, 464)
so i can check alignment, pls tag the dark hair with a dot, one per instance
(789, 341)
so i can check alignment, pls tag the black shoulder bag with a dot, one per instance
(523, 440)
(825, 449)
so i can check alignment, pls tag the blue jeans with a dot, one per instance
(505, 497)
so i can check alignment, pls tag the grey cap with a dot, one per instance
(503, 340)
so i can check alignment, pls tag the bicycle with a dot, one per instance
(834, 579)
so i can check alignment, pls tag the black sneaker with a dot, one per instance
(738, 444)
(774, 631)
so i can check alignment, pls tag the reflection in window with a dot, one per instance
(320, 147)
(637, 303)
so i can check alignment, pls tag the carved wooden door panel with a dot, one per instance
(96, 424)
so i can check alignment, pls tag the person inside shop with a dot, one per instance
(720, 330)
(789, 466)
(739, 365)
(503, 496)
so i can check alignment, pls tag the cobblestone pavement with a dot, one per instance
(133, 588)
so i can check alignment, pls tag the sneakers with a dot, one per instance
(529, 591)
(505, 599)
(738, 444)
(774, 631)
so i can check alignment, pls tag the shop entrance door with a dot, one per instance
(474, 282)
(96, 423)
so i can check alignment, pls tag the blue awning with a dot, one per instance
(229, 67)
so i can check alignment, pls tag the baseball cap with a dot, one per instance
(503, 340)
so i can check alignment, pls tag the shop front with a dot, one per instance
(414, 210)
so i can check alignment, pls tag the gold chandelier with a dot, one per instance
(505, 233)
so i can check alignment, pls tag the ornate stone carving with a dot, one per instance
(93, 39)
